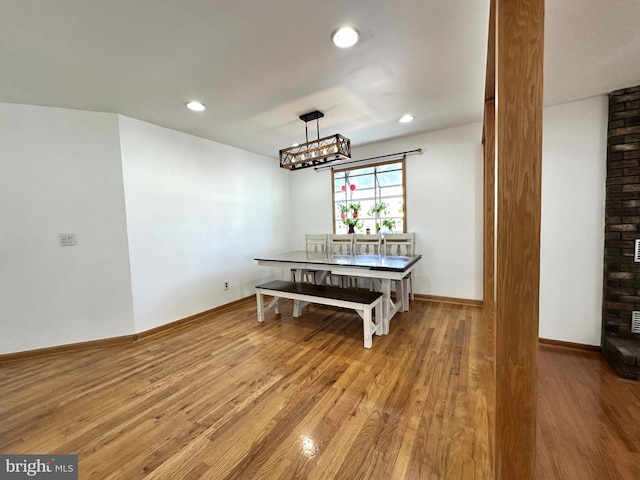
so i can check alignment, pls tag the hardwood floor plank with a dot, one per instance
(300, 398)
(227, 397)
(588, 422)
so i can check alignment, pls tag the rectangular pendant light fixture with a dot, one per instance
(315, 152)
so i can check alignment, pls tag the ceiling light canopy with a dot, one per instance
(195, 106)
(315, 152)
(345, 37)
(406, 118)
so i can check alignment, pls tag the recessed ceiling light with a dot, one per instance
(345, 37)
(406, 118)
(195, 106)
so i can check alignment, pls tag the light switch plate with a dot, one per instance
(67, 239)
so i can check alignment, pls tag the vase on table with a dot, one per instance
(351, 229)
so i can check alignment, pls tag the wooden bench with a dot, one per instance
(361, 300)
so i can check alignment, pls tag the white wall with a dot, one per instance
(444, 206)
(572, 229)
(311, 208)
(60, 171)
(197, 212)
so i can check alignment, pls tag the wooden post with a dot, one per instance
(519, 29)
(489, 159)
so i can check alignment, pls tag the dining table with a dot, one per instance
(383, 270)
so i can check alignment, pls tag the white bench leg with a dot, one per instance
(260, 300)
(275, 303)
(367, 324)
(379, 322)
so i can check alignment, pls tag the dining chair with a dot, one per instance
(367, 244)
(340, 244)
(401, 244)
(315, 243)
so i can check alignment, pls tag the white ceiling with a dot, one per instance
(258, 65)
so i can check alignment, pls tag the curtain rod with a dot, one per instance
(341, 164)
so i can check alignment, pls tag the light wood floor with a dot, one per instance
(291, 398)
(588, 418)
(301, 398)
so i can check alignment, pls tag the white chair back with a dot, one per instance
(341, 244)
(367, 244)
(399, 243)
(316, 243)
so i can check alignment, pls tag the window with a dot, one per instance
(370, 199)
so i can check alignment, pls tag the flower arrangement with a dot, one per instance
(389, 223)
(350, 216)
(377, 209)
(381, 209)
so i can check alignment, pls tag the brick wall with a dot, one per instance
(622, 228)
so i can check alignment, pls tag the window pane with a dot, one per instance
(390, 178)
(371, 197)
(390, 166)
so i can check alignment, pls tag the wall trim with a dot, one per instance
(575, 346)
(185, 322)
(198, 317)
(456, 301)
(124, 339)
(68, 348)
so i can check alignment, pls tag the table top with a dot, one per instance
(393, 263)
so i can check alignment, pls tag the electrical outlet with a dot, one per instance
(226, 285)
